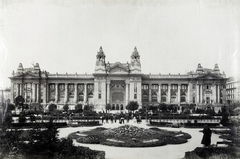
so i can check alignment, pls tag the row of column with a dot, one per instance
(169, 93)
(215, 96)
(66, 98)
(34, 93)
(21, 89)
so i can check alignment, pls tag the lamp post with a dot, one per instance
(159, 115)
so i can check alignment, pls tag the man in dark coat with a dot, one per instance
(207, 133)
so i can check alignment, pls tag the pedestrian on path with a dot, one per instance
(207, 133)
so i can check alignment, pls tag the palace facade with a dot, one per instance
(117, 84)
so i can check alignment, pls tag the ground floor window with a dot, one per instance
(163, 99)
(113, 107)
(173, 99)
(183, 99)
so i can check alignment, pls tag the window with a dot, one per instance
(183, 99)
(135, 96)
(194, 100)
(154, 97)
(163, 99)
(121, 107)
(99, 96)
(135, 87)
(113, 107)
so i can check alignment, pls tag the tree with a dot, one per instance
(78, 108)
(10, 107)
(162, 107)
(132, 106)
(52, 107)
(225, 115)
(19, 102)
(65, 107)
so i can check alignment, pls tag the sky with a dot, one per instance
(172, 36)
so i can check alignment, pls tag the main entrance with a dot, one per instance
(117, 92)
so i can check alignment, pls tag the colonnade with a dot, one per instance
(35, 92)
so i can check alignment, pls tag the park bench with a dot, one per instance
(224, 142)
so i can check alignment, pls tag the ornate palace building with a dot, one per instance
(117, 84)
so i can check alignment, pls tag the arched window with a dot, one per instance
(121, 107)
(117, 107)
(113, 107)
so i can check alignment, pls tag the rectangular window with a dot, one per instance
(163, 99)
(99, 90)
(135, 96)
(135, 87)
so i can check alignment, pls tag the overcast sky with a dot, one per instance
(172, 36)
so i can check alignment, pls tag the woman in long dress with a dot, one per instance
(207, 133)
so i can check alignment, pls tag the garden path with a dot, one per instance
(166, 152)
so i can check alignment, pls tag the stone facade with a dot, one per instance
(117, 84)
(233, 89)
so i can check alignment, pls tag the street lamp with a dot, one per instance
(159, 115)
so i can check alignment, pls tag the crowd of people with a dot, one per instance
(122, 119)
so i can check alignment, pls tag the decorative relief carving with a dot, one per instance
(80, 88)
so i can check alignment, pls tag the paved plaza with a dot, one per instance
(166, 152)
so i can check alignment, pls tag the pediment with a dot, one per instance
(209, 76)
(27, 75)
(118, 69)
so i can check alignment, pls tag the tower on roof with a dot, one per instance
(216, 68)
(135, 66)
(20, 68)
(100, 61)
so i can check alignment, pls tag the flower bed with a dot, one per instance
(131, 136)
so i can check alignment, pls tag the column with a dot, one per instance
(150, 93)
(179, 94)
(131, 91)
(18, 89)
(103, 91)
(37, 93)
(218, 93)
(56, 93)
(197, 97)
(85, 93)
(33, 92)
(66, 93)
(169, 93)
(25, 91)
(12, 92)
(201, 94)
(75, 92)
(108, 92)
(127, 93)
(44, 92)
(188, 94)
(139, 94)
(159, 93)
(214, 94)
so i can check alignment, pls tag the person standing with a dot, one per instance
(207, 133)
